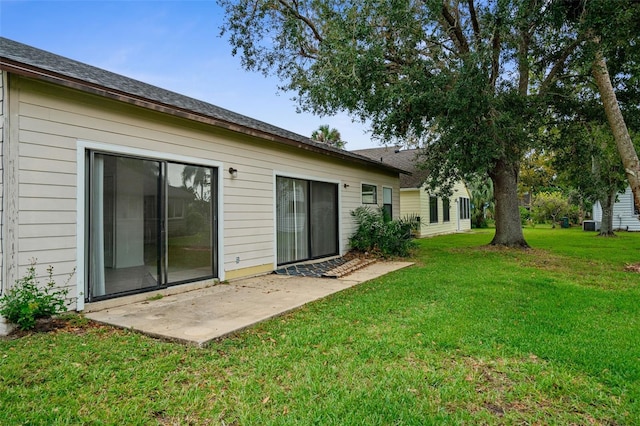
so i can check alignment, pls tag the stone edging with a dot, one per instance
(347, 268)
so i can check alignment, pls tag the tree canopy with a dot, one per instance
(468, 81)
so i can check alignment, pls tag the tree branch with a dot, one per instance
(454, 30)
(474, 21)
(523, 65)
(559, 64)
(304, 19)
(495, 55)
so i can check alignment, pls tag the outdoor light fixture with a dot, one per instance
(233, 172)
(345, 186)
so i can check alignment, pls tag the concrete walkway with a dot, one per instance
(200, 316)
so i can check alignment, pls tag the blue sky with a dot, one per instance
(171, 44)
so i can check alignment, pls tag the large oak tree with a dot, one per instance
(467, 80)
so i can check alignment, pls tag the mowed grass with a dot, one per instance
(469, 335)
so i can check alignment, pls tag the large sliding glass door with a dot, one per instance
(307, 219)
(150, 224)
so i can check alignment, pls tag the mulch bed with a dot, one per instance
(56, 325)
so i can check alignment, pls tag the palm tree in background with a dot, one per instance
(482, 201)
(198, 180)
(328, 136)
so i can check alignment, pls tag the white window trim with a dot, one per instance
(81, 147)
(369, 204)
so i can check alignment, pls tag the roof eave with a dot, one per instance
(27, 70)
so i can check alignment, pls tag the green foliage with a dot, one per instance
(525, 215)
(471, 82)
(328, 136)
(443, 75)
(482, 201)
(26, 302)
(377, 235)
(550, 205)
(195, 222)
(537, 172)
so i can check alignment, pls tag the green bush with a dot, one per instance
(26, 302)
(380, 236)
(525, 215)
(195, 222)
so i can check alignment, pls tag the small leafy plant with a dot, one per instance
(26, 302)
(380, 235)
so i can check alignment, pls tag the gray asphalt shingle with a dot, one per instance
(39, 63)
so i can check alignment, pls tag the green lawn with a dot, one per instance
(470, 335)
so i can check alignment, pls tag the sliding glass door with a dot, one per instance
(189, 220)
(307, 219)
(150, 224)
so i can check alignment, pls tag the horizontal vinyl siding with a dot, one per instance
(54, 119)
(623, 212)
(410, 203)
(441, 227)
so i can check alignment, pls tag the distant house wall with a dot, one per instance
(415, 201)
(624, 213)
(53, 123)
(410, 202)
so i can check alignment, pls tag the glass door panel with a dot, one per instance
(124, 224)
(324, 219)
(291, 212)
(190, 202)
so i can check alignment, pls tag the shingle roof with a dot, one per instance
(26, 60)
(405, 159)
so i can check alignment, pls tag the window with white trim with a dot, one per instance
(369, 194)
(446, 210)
(387, 201)
(465, 212)
(433, 209)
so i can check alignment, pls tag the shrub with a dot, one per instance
(525, 215)
(550, 205)
(195, 222)
(26, 302)
(375, 234)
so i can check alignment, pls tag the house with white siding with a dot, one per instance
(437, 215)
(625, 214)
(136, 188)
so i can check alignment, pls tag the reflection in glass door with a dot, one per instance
(150, 224)
(189, 222)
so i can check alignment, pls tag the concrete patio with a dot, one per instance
(200, 316)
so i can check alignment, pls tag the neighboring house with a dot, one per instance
(437, 215)
(137, 188)
(625, 215)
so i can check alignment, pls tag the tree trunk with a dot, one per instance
(507, 213)
(618, 126)
(606, 226)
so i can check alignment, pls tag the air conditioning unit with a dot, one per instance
(591, 225)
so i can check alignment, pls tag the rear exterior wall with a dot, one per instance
(54, 121)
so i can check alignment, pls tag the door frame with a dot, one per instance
(82, 251)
